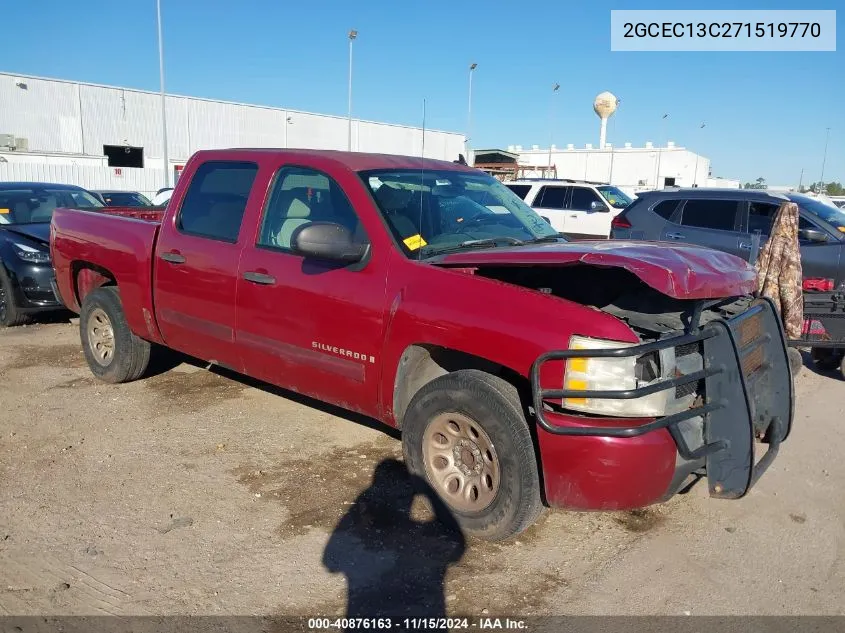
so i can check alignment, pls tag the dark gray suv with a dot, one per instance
(727, 220)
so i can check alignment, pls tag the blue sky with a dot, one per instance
(765, 113)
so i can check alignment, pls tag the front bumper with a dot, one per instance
(33, 286)
(747, 396)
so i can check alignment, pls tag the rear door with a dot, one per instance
(196, 261)
(588, 214)
(708, 222)
(551, 203)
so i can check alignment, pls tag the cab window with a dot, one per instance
(299, 196)
(216, 198)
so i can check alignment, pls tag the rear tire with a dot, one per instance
(465, 433)
(113, 352)
(10, 314)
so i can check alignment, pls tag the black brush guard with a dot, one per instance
(748, 394)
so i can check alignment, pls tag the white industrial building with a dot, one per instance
(103, 137)
(630, 168)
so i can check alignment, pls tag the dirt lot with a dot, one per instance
(192, 492)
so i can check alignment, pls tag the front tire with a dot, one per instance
(113, 352)
(10, 314)
(465, 433)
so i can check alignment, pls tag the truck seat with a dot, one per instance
(297, 214)
(393, 203)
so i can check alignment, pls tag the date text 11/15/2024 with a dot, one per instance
(415, 624)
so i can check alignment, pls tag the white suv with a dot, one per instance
(578, 209)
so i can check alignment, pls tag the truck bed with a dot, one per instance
(120, 240)
(152, 214)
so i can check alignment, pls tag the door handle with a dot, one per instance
(173, 258)
(260, 278)
(676, 236)
(746, 246)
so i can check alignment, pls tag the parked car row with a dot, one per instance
(26, 209)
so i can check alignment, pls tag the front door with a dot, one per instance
(196, 263)
(313, 326)
(818, 259)
(708, 222)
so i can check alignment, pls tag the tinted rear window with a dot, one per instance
(520, 190)
(551, 197)
(711, 214)
(665, 208)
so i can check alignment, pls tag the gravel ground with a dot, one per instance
(199, 492)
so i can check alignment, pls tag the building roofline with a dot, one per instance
(210, 100)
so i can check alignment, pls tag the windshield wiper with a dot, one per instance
(491, 241)
(546, 238)
(487, 241)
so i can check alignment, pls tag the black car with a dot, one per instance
(728, 219)
(26, 274)
(123, 198)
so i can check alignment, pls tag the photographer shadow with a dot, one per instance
(395, 565)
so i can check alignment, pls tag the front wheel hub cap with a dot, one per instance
(461, 462)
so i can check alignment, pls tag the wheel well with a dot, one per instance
(422, 363)
(88, 277)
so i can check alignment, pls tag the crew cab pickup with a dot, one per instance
(521, 369)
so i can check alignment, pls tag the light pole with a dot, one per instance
(163, 105)
(352, 35)
(660, 151)
(824, 160)
(695, 173)
(472, 68)
(555, 88)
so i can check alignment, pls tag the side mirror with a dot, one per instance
(595, 205)
(327, 240)
(812, 235)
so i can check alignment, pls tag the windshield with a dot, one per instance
(829, 214)
(615, 197)
(32, 205)
(125, 199)
(430, 212)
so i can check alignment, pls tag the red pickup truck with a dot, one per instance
(521, 369)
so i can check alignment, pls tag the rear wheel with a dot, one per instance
(10, 314)
(113, 352)
(465, 434)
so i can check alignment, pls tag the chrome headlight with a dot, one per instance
(31, 255)
(618, 374)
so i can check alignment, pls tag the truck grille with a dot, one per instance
(690, 388)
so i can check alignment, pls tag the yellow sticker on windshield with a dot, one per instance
(2, 211)
(841, 228)
(414, 242)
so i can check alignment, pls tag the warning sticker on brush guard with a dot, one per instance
(414, 242)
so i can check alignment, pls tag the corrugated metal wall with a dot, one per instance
(60, 116)
(147, 181)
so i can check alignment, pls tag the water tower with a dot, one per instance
(605, 105)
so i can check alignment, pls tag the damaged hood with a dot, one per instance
(678, 271)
